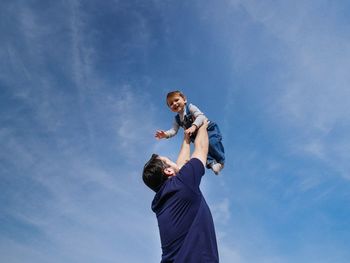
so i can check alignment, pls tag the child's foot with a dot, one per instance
(217, 167)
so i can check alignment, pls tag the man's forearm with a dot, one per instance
(201, 140)
(201, 143)
(184, 154)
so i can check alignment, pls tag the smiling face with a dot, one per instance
(177, 103)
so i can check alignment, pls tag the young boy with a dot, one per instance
(190, 118)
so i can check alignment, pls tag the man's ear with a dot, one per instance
(169, 171)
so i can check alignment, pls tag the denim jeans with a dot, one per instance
(216, 151)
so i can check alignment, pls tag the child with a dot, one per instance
(190, 118)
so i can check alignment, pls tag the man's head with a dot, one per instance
(176, 101)
(157, 170)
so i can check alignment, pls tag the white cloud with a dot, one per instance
(228, 254)
(85, 211)
(312, 96)
(221, 211)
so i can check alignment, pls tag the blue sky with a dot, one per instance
(83, 86)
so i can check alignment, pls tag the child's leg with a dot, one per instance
(210, 161)
(216, 149)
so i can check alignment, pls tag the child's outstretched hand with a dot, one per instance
(160, 134)
(191, 130)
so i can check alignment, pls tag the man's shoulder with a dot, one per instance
(196, 161)
(195, 165)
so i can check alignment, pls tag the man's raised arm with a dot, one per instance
(184, 154)
(201, 144)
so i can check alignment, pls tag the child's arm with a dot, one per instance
(199, 118)
(160, 134)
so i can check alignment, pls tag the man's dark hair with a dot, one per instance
(153, 175)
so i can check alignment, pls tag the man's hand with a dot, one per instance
(191, 130)
(160, 134)
(187, 138)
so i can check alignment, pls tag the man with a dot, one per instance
(185, 223)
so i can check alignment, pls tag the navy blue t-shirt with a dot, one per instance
(185, 223)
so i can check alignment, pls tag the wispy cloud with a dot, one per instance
(76, 204)
(309, 94)
(221, 211)
(79, 206)
(82, 100)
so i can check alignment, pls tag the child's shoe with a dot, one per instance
(217, 167)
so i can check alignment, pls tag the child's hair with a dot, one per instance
(174, 93)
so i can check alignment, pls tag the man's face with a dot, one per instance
(177, 103)
(172, 167)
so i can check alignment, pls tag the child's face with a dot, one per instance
(177, 103)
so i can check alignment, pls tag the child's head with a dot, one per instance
(176, 101)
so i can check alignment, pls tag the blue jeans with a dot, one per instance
(216, 151)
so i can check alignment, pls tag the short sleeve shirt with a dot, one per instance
(185, 223)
